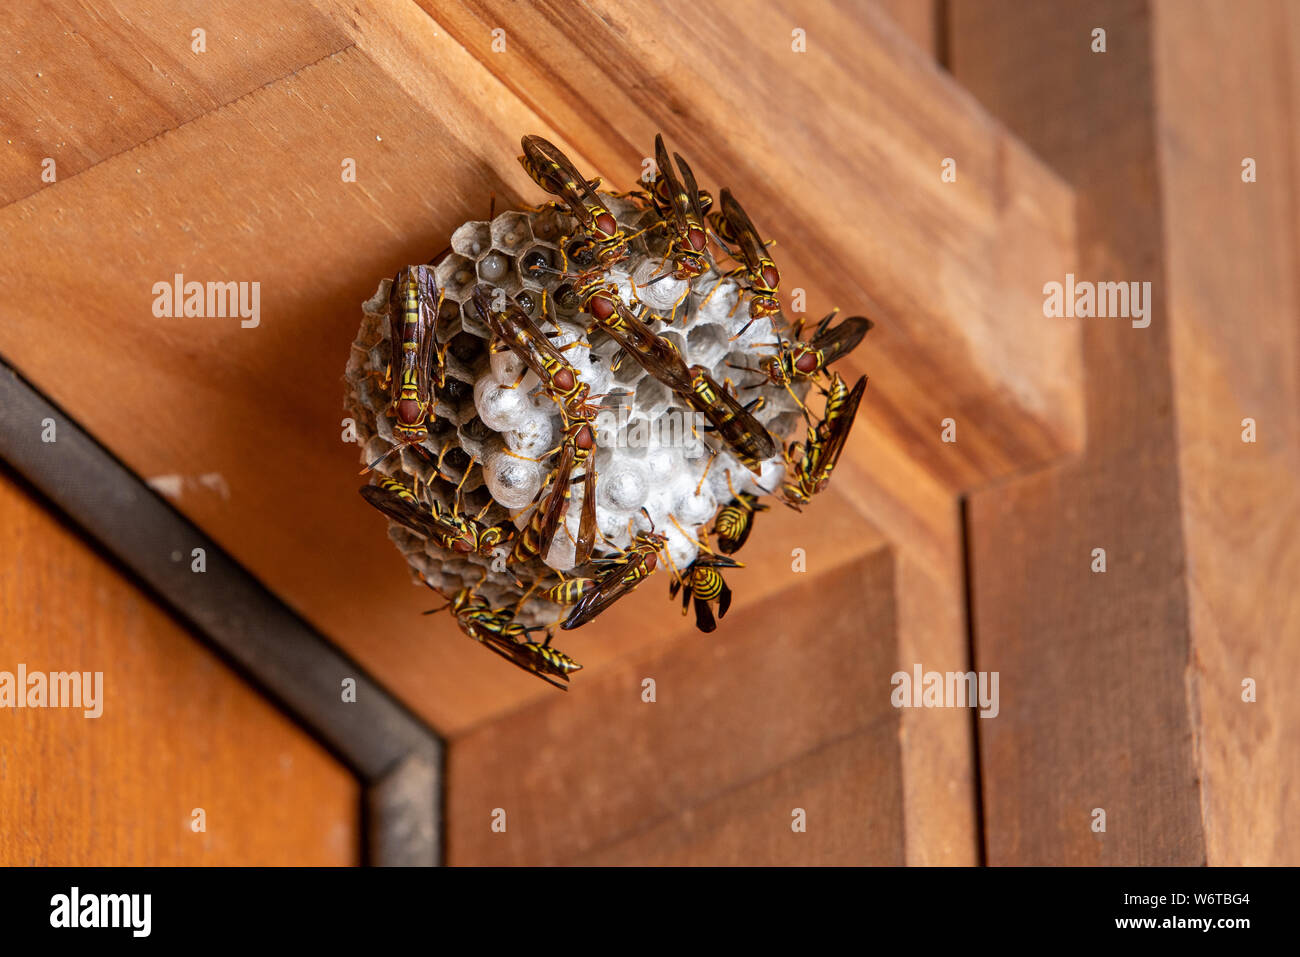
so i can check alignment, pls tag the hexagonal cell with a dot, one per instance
(706, 345)
(579, 255)
(474, 327)
(511, 232)
(456, 390)
(472, 240)
(552, 223)
(565, 299)
(467, 347)
(493, 266)
(530, 301)
(456, 277)
(652, 396)
(537, 266)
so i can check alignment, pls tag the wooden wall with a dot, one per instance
(1129, 683)
(1120, 690)
(178, 730)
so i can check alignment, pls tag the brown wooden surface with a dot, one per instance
(1123, 690)
(1120, 691)
(787, 706)
(1095, 711)
(250, 190)
(1233, 265)
(856, 203)
(178, 730)
(921, 21)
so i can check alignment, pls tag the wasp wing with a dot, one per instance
(558, 500)
(517, 656)
(587, 524)
(652, 352)
(838, 432)
(842, 339)
(428, 301)
(695, 200)
(611, 586)
(736, 424)
(409, 515)
(742, 233)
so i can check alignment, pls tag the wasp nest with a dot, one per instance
(494, 419)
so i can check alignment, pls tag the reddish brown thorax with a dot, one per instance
(771, 277)
(697, 238)
(564, 380)
(408, 411)
(806, 362)
(584, 438)
(606, 224)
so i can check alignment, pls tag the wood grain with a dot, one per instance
(87, 81)
(949, 270)
(1093, 666)
(178, 730)
(794, 682)
(1234, 305)
(247, 422)
(920, 20)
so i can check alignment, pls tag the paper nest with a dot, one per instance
(647, 457)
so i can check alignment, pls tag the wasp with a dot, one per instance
(736, 520)
(733, 422)
(445, 527)
(703, 584)
(541, 660)
(795, 360)
(736, 230)
(517, 331)
(525, 339)
(682, 207)
(599, 298)
(621, 573)
(413, 303)
(555, 173)
(825, 441)
(575, 452)
(497, 630)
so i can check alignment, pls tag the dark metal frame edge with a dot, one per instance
(399, 760)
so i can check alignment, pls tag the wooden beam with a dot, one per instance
(789, 684)
(1094, 667)
(1234, 308)
(854, 198)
